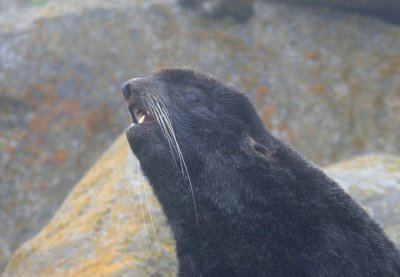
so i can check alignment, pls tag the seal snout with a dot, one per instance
(138, 112)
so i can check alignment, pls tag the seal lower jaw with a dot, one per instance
(141, 131)
(138, 131)
(145, 140)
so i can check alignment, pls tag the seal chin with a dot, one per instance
(143, 138)
(137, 132)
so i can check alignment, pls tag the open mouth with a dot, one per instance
(140, 115)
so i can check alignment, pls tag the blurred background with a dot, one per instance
(323, 74)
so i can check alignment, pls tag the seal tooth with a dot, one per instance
(141, 119)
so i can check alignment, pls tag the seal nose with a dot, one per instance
(130, 87)
(126, 89)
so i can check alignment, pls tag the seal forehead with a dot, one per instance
(184, 75)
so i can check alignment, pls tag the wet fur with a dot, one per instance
(263, 210)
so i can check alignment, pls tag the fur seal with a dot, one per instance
(239, 201)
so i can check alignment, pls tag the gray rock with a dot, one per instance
(317, 79)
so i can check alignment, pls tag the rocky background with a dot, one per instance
(323, 79)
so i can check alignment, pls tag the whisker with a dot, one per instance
(138, 177)
(158, 108)
(166, 122)
(168, 135)
(171, 135)
(160, 120)
(151, 217)
(183, 163)
(164, 129)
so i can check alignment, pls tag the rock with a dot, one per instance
(100, 230)
(314, 76)
(104, 227)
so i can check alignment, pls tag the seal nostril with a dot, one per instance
(126, 90)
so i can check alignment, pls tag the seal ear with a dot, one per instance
(259, 148)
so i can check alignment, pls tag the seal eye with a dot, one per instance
(191, 97)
